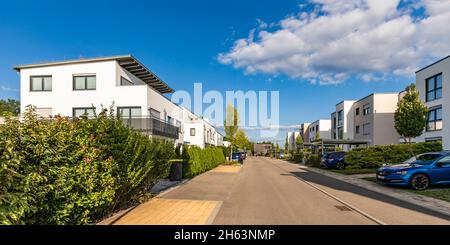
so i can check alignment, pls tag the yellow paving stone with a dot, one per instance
(161, 211)
(227, 169)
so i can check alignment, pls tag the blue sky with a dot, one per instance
(198, 41)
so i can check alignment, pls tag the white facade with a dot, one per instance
(121, 82)
(343, 121)
(433, 84)
(323, 127)
(291, 140)
(199, 132)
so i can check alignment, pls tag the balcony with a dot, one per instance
(152, 126)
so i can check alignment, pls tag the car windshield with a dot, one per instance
(424, 159)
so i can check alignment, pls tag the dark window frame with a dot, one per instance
(82, 108)
(435, 120)
(367, 110)
(367, 125)
(357, 111)
(435, 88)
(85, 83)
(129, 82)
(42, 81)
(357, 129)
(127, 107)
(192, 130)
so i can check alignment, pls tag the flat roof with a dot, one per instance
(128, 62)
(433, 63)
(372, 94)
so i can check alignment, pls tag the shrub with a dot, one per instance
(199, 160)
(376, 156)
(64, 171)
(312, 160)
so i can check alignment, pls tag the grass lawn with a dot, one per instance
(354, 171)
(442, 193)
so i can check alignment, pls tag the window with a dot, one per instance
(334, 122)
(317, 128)
(341, 133)
(41, 83)
(340, 118)
(445, 162)
(434, 87)
(88, 112)
(434, 139)
(192, 132)
(366, 129)
(170, 120)
(357, 111)
(125, 82)
(434, 119)
(357, 130)
(178, 124)
(129, 112)
(154, 113)
(84, 82)
(366, 110)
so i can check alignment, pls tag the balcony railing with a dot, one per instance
(152, 126)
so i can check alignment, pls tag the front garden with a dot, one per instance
(64, 171)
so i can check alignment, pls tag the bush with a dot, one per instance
(66, 171)
(312, 160)
(376, 156)
(199, 160)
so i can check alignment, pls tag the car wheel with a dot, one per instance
(420, 182)
(340, 165)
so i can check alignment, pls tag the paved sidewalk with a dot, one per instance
(420, 200)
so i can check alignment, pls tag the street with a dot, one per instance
(272, 192)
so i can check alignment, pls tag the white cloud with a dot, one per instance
(340, 39)
(8, 89)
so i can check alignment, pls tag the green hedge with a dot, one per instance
(199, 160)
(64, 171)
(376, 156)
(312, 159)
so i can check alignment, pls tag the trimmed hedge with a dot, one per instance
(64, 171)
(376, 156)
(199, 160)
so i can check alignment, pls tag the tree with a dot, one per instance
(317, 137)
(286, 147)
(299, 142)
(9, 106)
(241, 141)
(231, 125)
(411, 115)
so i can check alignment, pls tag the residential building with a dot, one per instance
(304, 132)
(374, 119)
(199, 131)
(291, 140)
(85, 86)
(262, 149)
(433, 86)
(322, 127)
(342, 121)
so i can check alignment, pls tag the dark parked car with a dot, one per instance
(334, 160)
(418, 172)
(237, 157)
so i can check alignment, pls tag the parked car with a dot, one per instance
(244, 155)
(334, 160)
(237, 157)
(418, 172)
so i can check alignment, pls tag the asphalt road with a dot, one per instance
(272, 192)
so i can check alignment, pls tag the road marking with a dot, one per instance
(335, 198)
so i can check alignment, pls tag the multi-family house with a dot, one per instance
(374, 119)
(342, 121)
(321, 128)
(432, 84)
(291, 140)
(85, 86)
(304, 132)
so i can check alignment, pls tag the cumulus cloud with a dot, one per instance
(335, 40)
(8, 89)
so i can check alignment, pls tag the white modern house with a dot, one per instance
(343, 120)
(433, 86)
(199, 131)
(291, 140)
(322, 126)
(85, 86)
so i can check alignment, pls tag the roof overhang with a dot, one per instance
(128, 62)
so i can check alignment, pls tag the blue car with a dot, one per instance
(333, 160)
(419, 172)
(237, 157)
